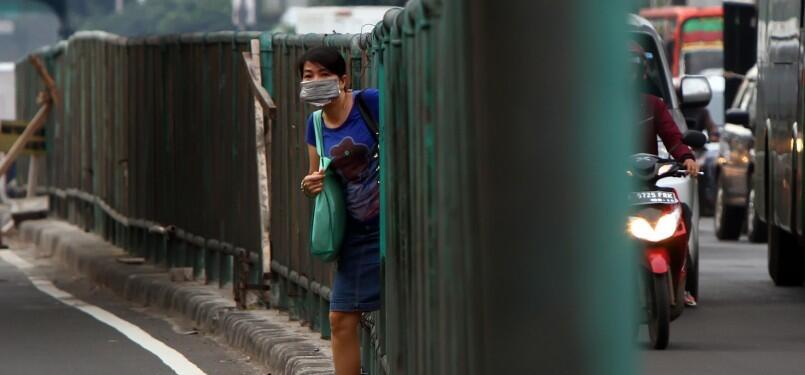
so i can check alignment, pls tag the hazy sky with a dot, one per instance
(26, 32)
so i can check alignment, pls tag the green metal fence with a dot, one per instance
(302, 282)
(429, 311)
(153, 147)
(412, 59)
(154, 150)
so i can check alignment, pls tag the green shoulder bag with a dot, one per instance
(329, 215)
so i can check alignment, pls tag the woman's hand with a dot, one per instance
(692, 167)
(313, 183)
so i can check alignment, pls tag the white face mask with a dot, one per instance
(320, 92)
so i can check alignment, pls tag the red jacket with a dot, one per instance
(656, 121)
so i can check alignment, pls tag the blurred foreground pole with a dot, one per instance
(552, 133)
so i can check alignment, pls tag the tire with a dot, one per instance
(728, 219)
(756, 230)
(785, 258)
(659, 312)
(706, 205)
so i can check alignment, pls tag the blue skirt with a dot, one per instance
(356, 285)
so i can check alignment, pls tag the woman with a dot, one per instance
(353, 147)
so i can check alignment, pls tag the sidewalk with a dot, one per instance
(267, 335)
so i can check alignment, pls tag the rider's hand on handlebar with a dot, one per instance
(692, 167)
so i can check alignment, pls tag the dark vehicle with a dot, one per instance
(694, 91)
(734, 208)
(707, 155)
(740, 43)
(778, 168)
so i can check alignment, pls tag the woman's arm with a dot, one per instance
(314, 181)
(313, 156)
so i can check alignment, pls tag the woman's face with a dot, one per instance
(312, 71)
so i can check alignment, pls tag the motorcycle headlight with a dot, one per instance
(665, 227)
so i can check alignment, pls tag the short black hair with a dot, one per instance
(328, 57)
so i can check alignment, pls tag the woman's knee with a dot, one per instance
(341, 322)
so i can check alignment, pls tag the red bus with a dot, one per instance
(693, 37)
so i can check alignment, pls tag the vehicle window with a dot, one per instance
(746, 97)
(666, 28)
(656, 84)
(702, 44)
(702, 31)
(739, 96)
(697, 61)
(751, 106)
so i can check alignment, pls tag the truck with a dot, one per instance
(693, 36)
(777, 178)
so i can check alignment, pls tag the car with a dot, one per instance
(707, 156)
(694, 92)
(694, 42)
(735, 211)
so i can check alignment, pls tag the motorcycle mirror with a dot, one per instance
(694, 138)
(695, 91)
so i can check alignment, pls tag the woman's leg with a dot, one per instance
(346, 342)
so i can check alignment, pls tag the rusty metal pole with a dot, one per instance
(35, 124)
(46, 99)
(263, 104)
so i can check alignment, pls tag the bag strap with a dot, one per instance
(318, 122)
(368, 119)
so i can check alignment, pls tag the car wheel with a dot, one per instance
(706, 200)
(756, 230)
(727, 219)
(785, 258)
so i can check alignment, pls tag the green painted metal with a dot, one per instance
(129, 143)
(468, 153)
(433, 237)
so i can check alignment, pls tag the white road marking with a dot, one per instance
(170, 357)
(15, 260)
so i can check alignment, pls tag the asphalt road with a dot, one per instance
(743, 324)
(40, 334)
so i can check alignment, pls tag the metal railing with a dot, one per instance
(153, 148)
(156, 129)
(302, 283)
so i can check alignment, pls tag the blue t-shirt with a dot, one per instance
(352, 148)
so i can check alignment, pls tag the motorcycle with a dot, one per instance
(660, 224)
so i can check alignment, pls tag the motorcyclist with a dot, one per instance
(655, 120)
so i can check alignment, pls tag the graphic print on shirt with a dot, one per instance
(351, 147)
(358, 170)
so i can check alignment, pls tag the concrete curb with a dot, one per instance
(282, 346)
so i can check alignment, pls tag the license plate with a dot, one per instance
(653, 197)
